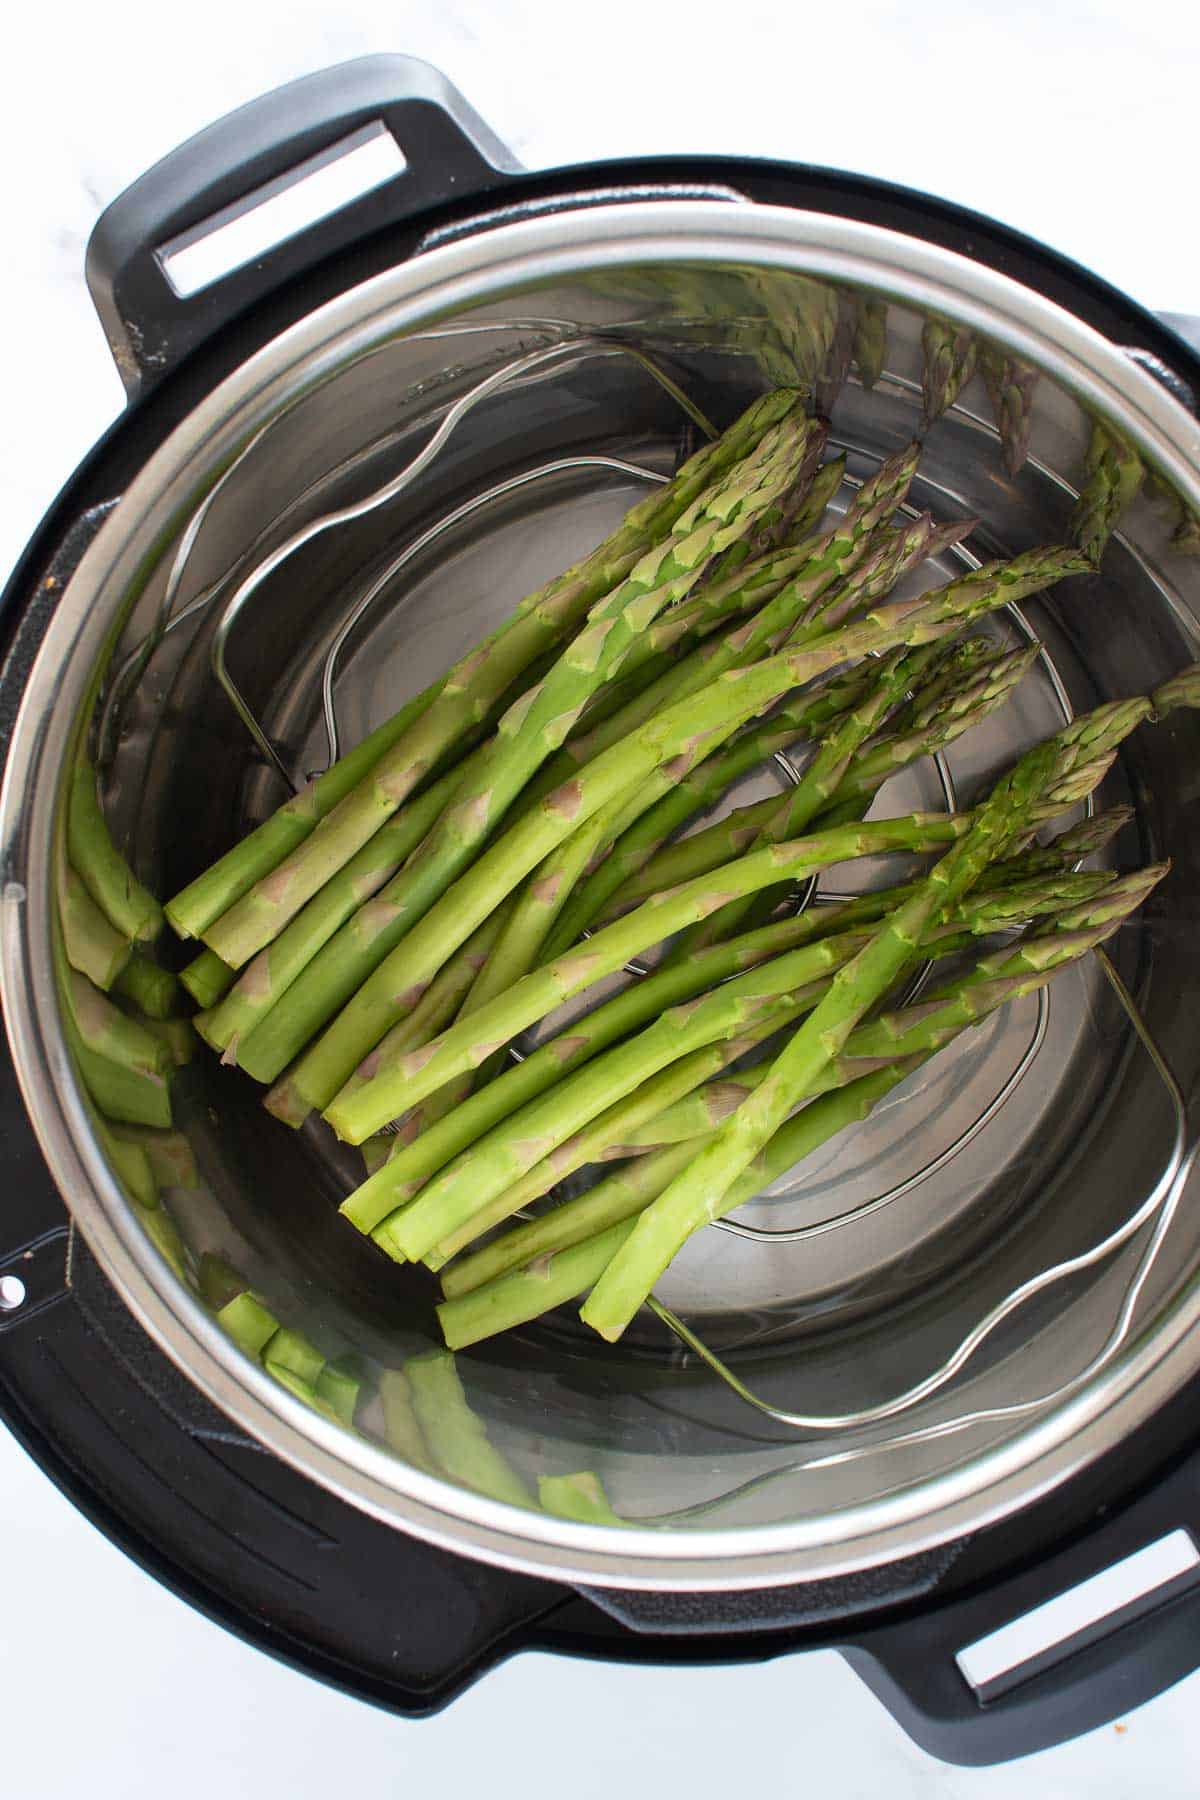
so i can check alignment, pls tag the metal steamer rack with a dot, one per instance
(1155, 1211)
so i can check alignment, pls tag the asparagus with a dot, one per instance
(339, 1385)
(518, 1163)
(950, 353)
(152, 990)
(559, 604)
(400, 1427)
(598, 1105)
(169, 1154)
(260, 985)
(837, 360)
(412, 1163)
(738, 696)
(904, 1040)
(130, 1164)
(177, 1035)
(808, 573)
(667, 800)
(93, 946)
(580, 1496)
(207, 978)
(825, 484)
(202, 902)
(838, 777)
(554, 1277)
(415, 1160)
(701, 1191)
(721, 510)
(456, 1435)
(129, 907)
(1113, 474)
(431, 1013)
(870, 339)
(470, 1042)
(1010, 385)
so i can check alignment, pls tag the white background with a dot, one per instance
(1076, 123)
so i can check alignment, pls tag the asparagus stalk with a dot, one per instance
(602, 1102)
(870, 339)
(556, 606)
(1010, 385)
(273, 970)
(580, 1496)
(400, 1427)
(701, 1191)
(515, 1167)
(177, 1035)
(905, 1039)
(415, 1160)
(837, 360)
(207, 978)
(169, 1154)
(738, 696)
(93, 946)
(470, 1042)
(130, 1164)
(838, 777)
(152, 990)
(950, 353)
(456, 1435)
(532, 728)
(555, 1276)
(825, 484)
(673, 794)
(1113, 474)
(129, 907)
(807, 574)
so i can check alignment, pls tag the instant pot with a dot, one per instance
(342, 460)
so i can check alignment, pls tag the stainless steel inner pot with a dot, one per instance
(983, 1196)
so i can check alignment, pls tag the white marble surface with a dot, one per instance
(1075, 123)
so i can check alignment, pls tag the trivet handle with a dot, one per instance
(313, 128)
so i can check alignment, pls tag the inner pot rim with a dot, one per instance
(442, 282)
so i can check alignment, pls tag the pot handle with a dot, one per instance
(399, 122)
(1090, 1633)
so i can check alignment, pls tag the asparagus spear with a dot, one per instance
(456, 1435)
(532, 728)
(470, 1042)
(906, 1039)
(810, 572)
(1010, 385)
(93, 946)
(559, 1275)
(574, 1122)
(414, 1161)
(131, 1165)
(129, 907)
(154, 991)
(870, 339)
(838, 778)
(1113, 474)
(825, 484)
(738, 696)
(557, 606)
(580, 1496)
(950, 353)
(178, 1036)
(260, 985)
(663, 803)
(207, 978)
(837, 359)
(168, 1153)
(400, 1426)
(701, 1190)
